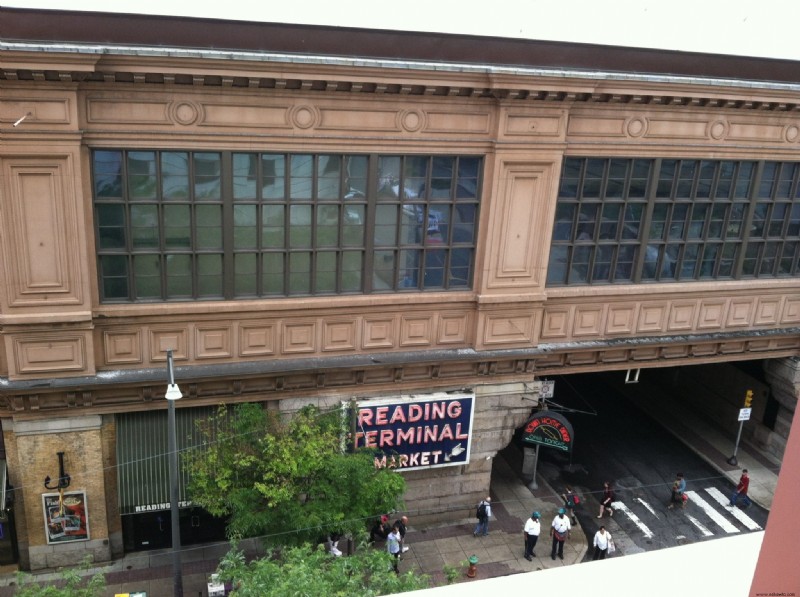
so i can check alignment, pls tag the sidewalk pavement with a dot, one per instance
(501, 552)
(435, 546)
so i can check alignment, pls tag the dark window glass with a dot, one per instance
(705, 219)
(177, 225)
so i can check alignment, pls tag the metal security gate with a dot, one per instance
(143, 479)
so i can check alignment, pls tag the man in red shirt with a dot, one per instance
(741, 490)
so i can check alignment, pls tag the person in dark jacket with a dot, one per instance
(605, 501)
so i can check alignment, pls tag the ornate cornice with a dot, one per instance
(135, 390)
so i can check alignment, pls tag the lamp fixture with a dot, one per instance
(63, 478)
(21, 118)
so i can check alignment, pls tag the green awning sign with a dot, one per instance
(549, 429)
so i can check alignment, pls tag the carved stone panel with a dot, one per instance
(299, 337)
(557, 323)
(339, 335)
(588, 321)
(509, 328)
(652, 318)
(65, 352)
(122, 346)
(213, 341)
(520, 250)
(453, 328)
(379, 332)
(416, 330)
(40, 234)
(620, 319)
(163, 339)
(257, 338)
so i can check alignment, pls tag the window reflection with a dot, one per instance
(608, 210)
(287, 224)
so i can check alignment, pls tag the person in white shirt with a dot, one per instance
(602, 539)
(531, 531)
(559, 531)
(393, 546)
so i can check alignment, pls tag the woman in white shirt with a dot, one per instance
(602, 538)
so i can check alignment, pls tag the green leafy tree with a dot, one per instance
(307, 571)
(287, 479)
(74, 582)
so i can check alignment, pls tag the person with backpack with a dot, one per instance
(483, 512)
(570, 501)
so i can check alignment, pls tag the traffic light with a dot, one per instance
(748, 398)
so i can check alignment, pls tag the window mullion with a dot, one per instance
(638, 267)
(369, 234)
(748, 220)
(226, 189)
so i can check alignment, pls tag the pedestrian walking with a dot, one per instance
(741, 490)
(531, 531)
(605, 501)
(678, 492)
(393, 545)
(483, 512)
(570, 500)
(402, 525)
(560, 532)
(602, 539)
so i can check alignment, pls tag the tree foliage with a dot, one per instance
(287, 479)
(307, 571)
(71, 584)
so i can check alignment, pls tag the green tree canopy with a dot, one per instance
(305, 571)
(287, 479)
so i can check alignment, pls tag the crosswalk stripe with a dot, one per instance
(712, 513)
(735, 512)
(648, 506)
(635, 519)
(700, 527)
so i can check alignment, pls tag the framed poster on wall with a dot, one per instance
(66, 518)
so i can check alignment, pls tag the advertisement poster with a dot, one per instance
(66, 520)
(415, 432)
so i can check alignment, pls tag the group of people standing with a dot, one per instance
(560, 527)
(560, 531)
(395, 536)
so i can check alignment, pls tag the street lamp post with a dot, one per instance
(173, 394)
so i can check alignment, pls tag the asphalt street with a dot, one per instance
(616, 442)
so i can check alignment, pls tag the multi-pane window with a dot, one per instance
(659, 220)
(177, 225)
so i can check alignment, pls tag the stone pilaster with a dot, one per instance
(35, 445)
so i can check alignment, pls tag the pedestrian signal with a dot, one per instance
(748, 398)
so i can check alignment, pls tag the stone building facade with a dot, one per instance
(310, 214)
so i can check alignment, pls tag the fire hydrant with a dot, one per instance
(473, 566)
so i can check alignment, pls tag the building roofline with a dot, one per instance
(156, 31)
